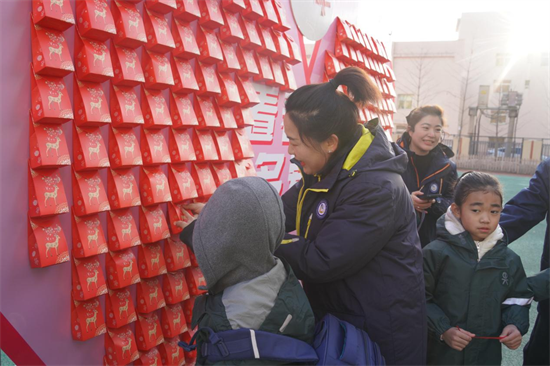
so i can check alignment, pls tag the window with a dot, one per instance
(527, 84)
(503, 86)
(503, 59)
(544, 59)
(405, 101)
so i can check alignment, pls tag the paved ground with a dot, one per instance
(529, 247)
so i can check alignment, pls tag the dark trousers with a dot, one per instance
(537, 350)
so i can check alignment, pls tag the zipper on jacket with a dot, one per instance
(301, 198)
(308, 223)
(416, 172)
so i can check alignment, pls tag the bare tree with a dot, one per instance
(418, 81)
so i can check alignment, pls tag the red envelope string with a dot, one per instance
(479, 337)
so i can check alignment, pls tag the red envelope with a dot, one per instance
(195, 279)
(187, 10)
(162, 6)
(88, 237)
(93, 60)
(205, 149)
(223, 146)
(282, 51)
(181, 183)
(226, 118)
(149, 332)
(89, 193)
(269, 19)
(190, 357)
(278, 76)
(231, 30)
(176, 254)
(247, 62)
(50, 52)
(251, 35)
(221, 173)
(129, 24)
(89, 150)
(295, 53)
(184, 77)
(173, 320)
(175, 214)
(230, 61)
(290, 81)
(122, 231)
(209, 46)
(175, 288)
(283, 23)
(268, 44)
(90, 104)
(171, 353)
(97, 20)
(54, 14)
(211, 14)
(87, 319)
(149, 295)
(341, 51)
(253, 10)
(235, 6)
(206, 114)
(158, 73)
(87, 278)
(124, 148)
(119, 308)
(46, 193)
(50, 100)
(242, 168)
(229, 93)
(126, 65)
(120, 346)
(244, 117)
(121, 268)
(153, 187)
(125, 109)
(122, 189)
(155, 109)
(180, 146)
(242, 148)
(332, 64)
(46, 242)
(202, 175)
(183, 114)
(47, 146)
(343, 31)
(154, 148)
(249, 97)
(151, 261)
(266, 73)
(186, 44)
(159, 37)
(152, 224)
(150, 358)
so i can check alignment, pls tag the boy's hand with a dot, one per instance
(186, 217)
(419, 204)
(513, 337)
(456, 338)
(196, 207)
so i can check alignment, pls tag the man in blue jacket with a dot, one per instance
(521, 214)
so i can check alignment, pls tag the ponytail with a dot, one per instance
(320, 110)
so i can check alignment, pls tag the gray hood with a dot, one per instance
(238, 231)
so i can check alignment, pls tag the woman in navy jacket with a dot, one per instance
(523, 212)
(356, 248)
(429, 171)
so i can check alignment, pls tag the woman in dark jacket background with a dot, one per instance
(430, 174)
(356, 247)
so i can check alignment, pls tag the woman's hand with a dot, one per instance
(513, 337)
(420, 205)
(457, 338)
(187, 218)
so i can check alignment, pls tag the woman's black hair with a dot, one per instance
(320, 110)
(426, 110)
(470, 182)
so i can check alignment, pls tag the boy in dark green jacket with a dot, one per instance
(477, 292)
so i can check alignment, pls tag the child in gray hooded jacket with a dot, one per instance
(234, 238)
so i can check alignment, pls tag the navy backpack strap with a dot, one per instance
(249, 344)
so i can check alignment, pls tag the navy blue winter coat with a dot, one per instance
(357, 249)
(524, 211)
(439, 178)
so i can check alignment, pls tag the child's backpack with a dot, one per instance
(336, 343)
